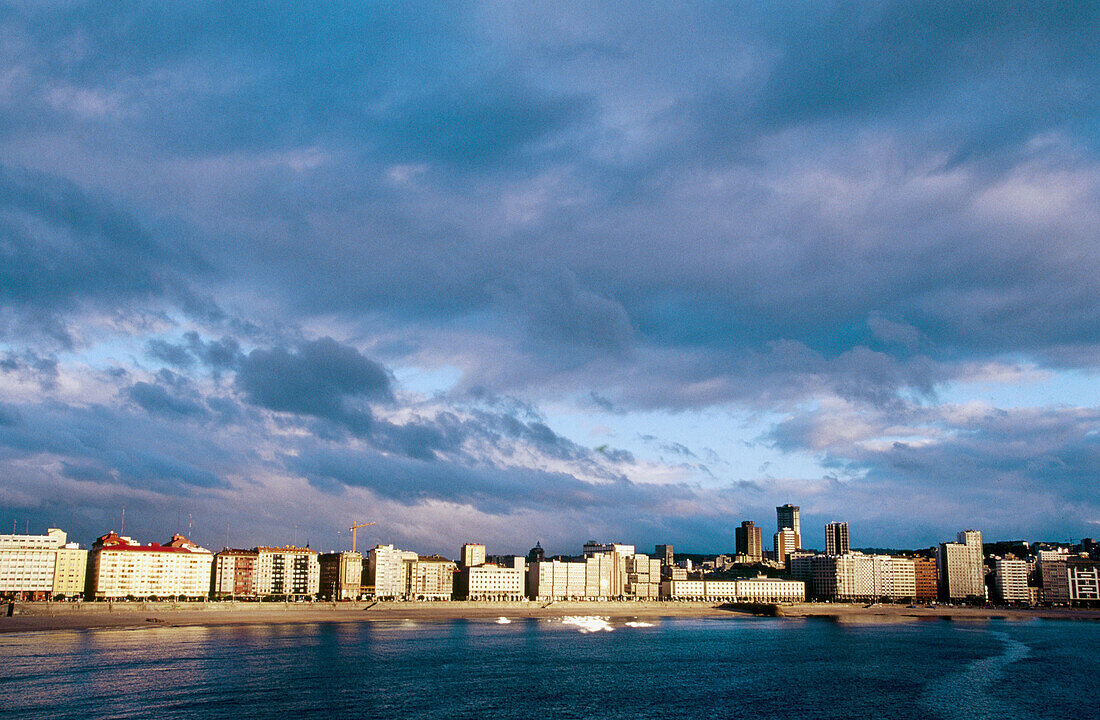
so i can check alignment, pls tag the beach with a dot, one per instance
(45, 616)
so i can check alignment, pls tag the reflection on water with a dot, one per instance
(675, 668)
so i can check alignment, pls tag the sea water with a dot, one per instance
(744, 668)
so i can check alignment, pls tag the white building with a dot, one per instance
(745, 590)
(472, 554)
(1011, 580)
(785, 542)
(856, 577)
(492, 582)
(290, 571)
(386, 571)
(119, 568)
(429, 578)
(41, 566)
(1084, 581)
(557, 580)
(961, 567)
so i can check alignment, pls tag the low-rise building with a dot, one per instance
(746, 590)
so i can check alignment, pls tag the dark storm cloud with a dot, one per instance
(135, 450)
(320, 379)
(156, 399)
(61, 245)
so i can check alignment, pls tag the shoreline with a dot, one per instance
(46, 616)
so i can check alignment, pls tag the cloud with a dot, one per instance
(320, 379)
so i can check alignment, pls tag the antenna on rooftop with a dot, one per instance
(188, 526)
(122, 528)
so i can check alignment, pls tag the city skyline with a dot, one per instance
(636, 271)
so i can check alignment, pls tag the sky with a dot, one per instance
(507, 273)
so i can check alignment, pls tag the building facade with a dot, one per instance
(430, 577)
(472, 554)
(785, 542)
(926, 579)
(1010, 580)
(1054, 576)
(787, 518)
(747, 590)
(287, 571)
(1084, 581)
(836, 539)
(961, 567)
(37, 567)
(234, 574)
(341, 575)
(120, 568)
(749, 542)
(386, 571)
(491, 582)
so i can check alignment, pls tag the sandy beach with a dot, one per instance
(35, 617)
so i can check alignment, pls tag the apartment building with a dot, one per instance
(118, 567)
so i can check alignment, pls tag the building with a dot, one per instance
(1084, 581)
(1010, 580)
(549, 580)
(491, 582)
(287, 571)
(836, 539)
(120, 568)
(1054, 576)
(430, 577)
(926, 579)
(595, 548)
(386, 570)
(38, 567)
(234, 574)
(472, 554)
(746, 590)
(855, 577)
(787, 519)
(70, 570)
(961, 568)
(665, 554)
(785, 541)
(749, 541)
(341, 575)
(536, 554)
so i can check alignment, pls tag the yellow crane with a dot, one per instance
(354, 529)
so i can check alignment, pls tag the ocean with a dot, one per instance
(745, 668)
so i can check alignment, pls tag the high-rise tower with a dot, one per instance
(836, 539)
(787, 519)
(750, 541)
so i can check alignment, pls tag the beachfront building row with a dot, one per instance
(265, 572)
(395, 574)
(37, 567)
(855, 577)
(745, 590)
(618, 573)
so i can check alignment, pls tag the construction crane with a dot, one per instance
(354, 529)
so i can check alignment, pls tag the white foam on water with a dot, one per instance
(588, 623)
(503, 621)
(634, 623)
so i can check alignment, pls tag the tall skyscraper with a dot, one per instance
(664, 553)
(750, 541)
(836, 539)
(787, 519)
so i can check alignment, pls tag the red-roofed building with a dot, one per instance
(118, 567)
